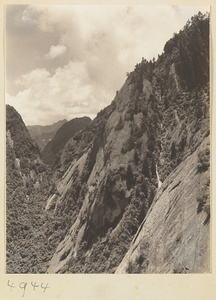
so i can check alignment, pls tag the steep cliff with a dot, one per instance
(109, 173)
(174, 236)
(130, 192)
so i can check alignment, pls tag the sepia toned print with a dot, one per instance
(108, 169)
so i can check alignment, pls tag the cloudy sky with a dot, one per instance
(69, 61)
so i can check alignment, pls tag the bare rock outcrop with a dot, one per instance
(174, 236)
(129, 193)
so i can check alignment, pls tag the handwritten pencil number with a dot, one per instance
(23, 286)
(44, 287)
(35, 285)
(10, 285)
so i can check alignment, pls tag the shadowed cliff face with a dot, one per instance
(63, 134)
(102, 181)
(131, 182)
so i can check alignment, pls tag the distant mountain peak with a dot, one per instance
(62, 136)
(43, 134)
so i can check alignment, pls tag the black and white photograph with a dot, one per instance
(107, 139)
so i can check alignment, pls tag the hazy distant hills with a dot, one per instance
(63, 134)
(43, 134)
(129, 192)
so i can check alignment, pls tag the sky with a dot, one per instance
(68, 61)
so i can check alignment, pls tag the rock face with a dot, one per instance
(43, 134)
(61, 137)
(174, 236)
(149, 138)
(130, 192)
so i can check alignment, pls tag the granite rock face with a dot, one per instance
(130, 192)
(174, 236)
(146, 156)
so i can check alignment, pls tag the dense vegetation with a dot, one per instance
(24, 145)
(105, 178)
(63, 134)
(25, 178)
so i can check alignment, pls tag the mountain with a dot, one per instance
(180, 212)
(23, 145)
(43, 134)
(25, 176)
(63, 134)
(130, 193)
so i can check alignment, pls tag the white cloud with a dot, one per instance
(56, 51)
(99, 44)
(30, 16)
(67, 93)
(35, 76)
(37, 16)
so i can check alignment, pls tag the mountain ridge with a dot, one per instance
(43, 134)
(136, 164)
(61, 137)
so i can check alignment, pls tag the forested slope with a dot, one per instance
(107, 208)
